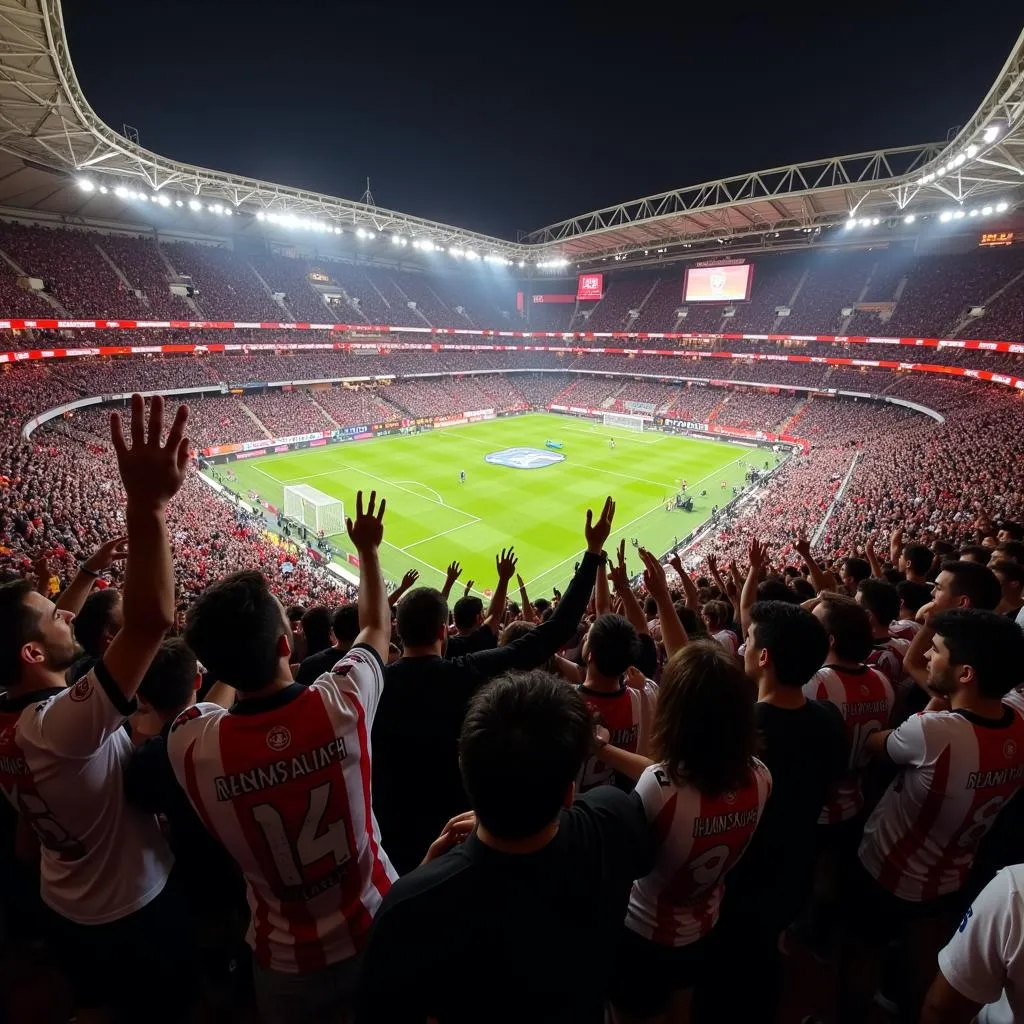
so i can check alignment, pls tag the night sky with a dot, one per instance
(499, 117)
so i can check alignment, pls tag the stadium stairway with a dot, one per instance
(990, 300)
(313, 401)
(714, 414)
(45, 296)
(789, 426)
(264, 431)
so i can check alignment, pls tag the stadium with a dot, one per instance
(831, 350)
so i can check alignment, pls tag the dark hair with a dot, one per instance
(234, 627)
(1013, 549)
(422, 616)
(718, 612)
(1012, 572)
(541, 605)
(466, 610)
(694, 625)
(345, 625)
(650, 608)
(881, 599)
(515, 630)
(95, 617)
(775, 588)
(611, 644)
(891, 575)
(523, 741)
(703, 727)
(793, 637)
(942, 548)
(170, 680)
(914, 595)
(976, 582)
(316, 628)
(20, 625)
(848, 626)
(804, 589)
(978, 552)
(857, 568)
(991, 644)
(919, 557)
(294, 612)
(1015, 530)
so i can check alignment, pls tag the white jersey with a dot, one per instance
(728, 639)
(284, 783)
(959, 772)
(1015, 698)
(904, 629)
(887, 656)
(984, 961)
(701, 839)
(62, 759)
(627, 714)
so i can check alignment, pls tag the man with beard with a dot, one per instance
(104, 866)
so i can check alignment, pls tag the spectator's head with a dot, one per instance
(976, 553)
(240, 632)
(316, 628)
(423, 620)
(99, 621)
(294, 612)
(916, 560)
(965, 585)
(786, 644)
(468, 613)
(802, 588)
(855, 570)
(1011, 581)
(345, 626)
(610, 647)
(650, 609)
(882, 602)
(913, 597)
(692, 622)
(540, 606)
(170, 683)
(704, 720)
(36, 642)
(717, 615)
(975, 653)
(775, 588)
(1009, 530)
(847, 625)
(1008, 551)
(537, 724)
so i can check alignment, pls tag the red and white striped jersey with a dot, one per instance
(62, 759)
(283, 782)
(700, 839)
(1015, 698)
(865, 699)
(627, 715)
(959, 772)
(887, 656)
(904, 629)
(728, 639)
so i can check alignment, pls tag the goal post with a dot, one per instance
(624, 421)
(313, 508)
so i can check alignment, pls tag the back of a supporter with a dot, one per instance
(864, 697)
(704, 794)
(881, 600)
(960, 767)
(282, 780)
(345, 627)
(503, 921)
(104, 865)
(913, 597)
(425, 700)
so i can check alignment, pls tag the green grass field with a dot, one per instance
(431, 518)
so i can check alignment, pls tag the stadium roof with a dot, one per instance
(59, 158)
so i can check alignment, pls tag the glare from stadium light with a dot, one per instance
(946, 217)
(396, 240)
(972, 151)
(851, 223)
(875, 221)
(991, 133)
(1002, 207)
(959, 161)
(104, 189)
(522, 263)
(164, 201)
(217, 208)
(86, 185)
(986, 211)
(194, 204)
(456, 252)
(909, 219)
(959, 215)
(471, 255)
(121, 192)
(260, 215)
(864, 222)
(337, 231)
(940, 171)
(227, 211)
(973, 213)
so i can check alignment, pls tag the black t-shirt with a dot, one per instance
(479, 935)
(806, 750)
(481, 639)
(313, 667)
(416, 782)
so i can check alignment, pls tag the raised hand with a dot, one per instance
(712, 562)
(654, 574)
(758, 555)
(617, 573)
(452, 834)
(151, 473)
(597, 533)
(106, 554)
(506, 563)
(454, 571)
(41, 569)
(469, 587)
(410, 578)
(635, 679)
(801, 544)
(367, 531)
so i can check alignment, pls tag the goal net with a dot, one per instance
(624, 421)
(316, 510)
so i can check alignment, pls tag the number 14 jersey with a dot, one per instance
(283, 782)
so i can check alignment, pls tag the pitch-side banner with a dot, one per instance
(549, 299)
(589, 286)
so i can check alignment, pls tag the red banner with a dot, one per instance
(589, 287)
(554, 298)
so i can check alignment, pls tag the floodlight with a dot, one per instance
(851, 223)
(959, 215)
(991, 133)
(986, 211)
(946, 217)
(194, 204)
(453, 251)
(972, 150)
(227, 211)
(959, 161)
(940, 171)
(1002, 207)
(86, 185)
(909, 219)
(164, 201)
(864, 222)
(360, 232)
(973, 213)
(874, 221)
(261, 215)
(121, 192)
(522, 263)
(178, 202)
(104, 189)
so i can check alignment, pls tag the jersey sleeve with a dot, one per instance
(359, 673)
(191, 727)
(989, 938)
(651, 788)
(813, 689)
(78, 721)
(909, 743)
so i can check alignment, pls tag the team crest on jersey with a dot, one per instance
(81, 690)
(729, 798)
(278, 738)
(524, 458)
(186, 716)
(1010, 750)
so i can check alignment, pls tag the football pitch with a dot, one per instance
(433, 518)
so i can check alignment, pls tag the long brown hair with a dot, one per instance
(704, 728)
